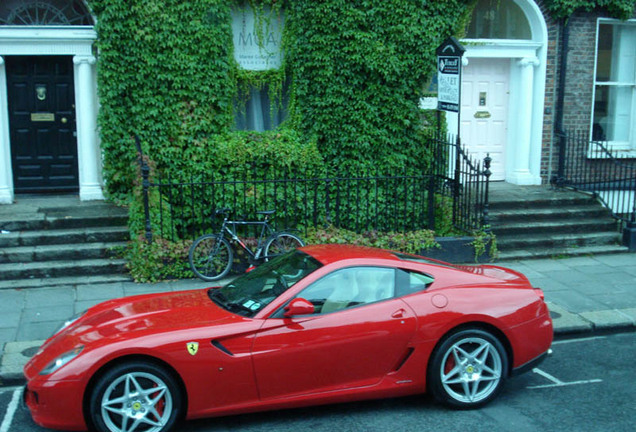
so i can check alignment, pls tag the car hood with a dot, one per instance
(144, 314)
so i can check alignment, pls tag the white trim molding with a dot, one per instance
(527, 93)
(6, 171)
(76, 41)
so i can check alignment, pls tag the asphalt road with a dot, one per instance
(587, 385)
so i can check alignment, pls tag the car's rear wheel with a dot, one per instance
(468, 369)
(135, 397)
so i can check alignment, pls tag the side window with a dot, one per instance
(409, 282)
(350, 287)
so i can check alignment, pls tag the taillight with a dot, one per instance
(539, 292)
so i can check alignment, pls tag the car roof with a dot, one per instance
(330, 253)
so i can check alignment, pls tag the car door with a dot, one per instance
(359, 333)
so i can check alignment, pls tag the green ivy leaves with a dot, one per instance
(621, 9)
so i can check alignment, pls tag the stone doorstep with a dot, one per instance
(16, 354)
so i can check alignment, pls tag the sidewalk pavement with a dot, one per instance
(585, 295)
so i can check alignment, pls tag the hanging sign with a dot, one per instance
(449, 74)
(257, 39)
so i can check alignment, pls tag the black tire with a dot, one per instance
(468, 369)
(210, 257)
(280, 243)
(138, 392)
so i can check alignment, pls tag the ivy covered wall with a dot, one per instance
(165, 73)
(357, 70)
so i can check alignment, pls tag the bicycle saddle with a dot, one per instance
(266, 212)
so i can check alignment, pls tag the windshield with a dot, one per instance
(251, 292)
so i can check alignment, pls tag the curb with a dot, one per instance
(15, 354)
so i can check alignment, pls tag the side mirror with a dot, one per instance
(298, 306)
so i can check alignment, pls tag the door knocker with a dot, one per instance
(40, 91)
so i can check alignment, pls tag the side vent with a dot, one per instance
(403, 360)
(218, 345)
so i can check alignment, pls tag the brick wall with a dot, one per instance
(579, 81)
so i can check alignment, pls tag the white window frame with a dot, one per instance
(621, 149)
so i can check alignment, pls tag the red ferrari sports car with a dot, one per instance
(322, 324)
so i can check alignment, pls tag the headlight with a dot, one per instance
(69, 321)
(61, 360)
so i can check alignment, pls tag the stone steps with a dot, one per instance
(537, 222)
(521, 254)
(54, 241)
(51, 269)
(63, 281)
(61, 236)
(59, 252)
(586, 225)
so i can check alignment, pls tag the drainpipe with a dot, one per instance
(559, 180)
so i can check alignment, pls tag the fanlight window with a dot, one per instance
(498, 19)
(39, 12)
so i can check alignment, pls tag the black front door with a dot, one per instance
(42, 123)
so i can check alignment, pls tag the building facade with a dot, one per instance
(509, 109)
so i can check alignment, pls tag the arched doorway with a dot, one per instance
(48, 106)
(503, 88)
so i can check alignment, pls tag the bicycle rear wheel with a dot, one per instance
(210, 257)
(280, 243)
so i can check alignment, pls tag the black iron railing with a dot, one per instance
(178, 209)
(590, 166)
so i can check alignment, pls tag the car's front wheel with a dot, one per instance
(135, 397)
(468, 369)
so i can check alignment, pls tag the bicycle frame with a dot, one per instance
(266, 229)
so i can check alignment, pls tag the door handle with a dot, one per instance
(398, 313)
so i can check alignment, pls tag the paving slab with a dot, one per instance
(566, 322)
(575, 302)
(15, 356)
(546, 264)
(38, 330)
(617, 260)
(100, 291)
(48, 297)
(608, 319)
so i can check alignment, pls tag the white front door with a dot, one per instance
(484, 111)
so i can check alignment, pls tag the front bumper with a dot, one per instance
(55, 404)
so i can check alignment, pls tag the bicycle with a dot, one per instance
(211, 255)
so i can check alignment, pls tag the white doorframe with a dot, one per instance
(527, 93)
(74, 41)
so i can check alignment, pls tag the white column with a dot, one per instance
(89, 161)
(6, 172)
(521, 173)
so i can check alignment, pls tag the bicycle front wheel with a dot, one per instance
(210, 257)
(281, 243)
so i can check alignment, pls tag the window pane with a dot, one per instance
(51, 12)
(604, 56)
(616, 56)
(496, 19)
(254, 110)
(612, 113)
(349, 288)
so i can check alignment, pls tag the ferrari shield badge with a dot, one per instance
(193, 347)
